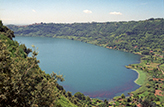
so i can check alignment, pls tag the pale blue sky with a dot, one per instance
(70, 11)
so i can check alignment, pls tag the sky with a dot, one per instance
(71, 11)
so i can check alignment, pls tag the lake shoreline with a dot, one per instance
(137, 77)
(84, 54)
(141, 77)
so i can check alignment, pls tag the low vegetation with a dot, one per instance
(141, 77)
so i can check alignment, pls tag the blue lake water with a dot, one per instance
(95, 71)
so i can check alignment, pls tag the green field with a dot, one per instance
(141, 77)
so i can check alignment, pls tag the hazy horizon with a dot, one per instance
(23, 12)
(24, 24)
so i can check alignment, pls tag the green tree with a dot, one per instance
(122, 96)
(22, 82)
(105, 102)
(148, 103)
(80, 96)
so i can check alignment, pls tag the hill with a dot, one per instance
(145, 38)
(132, 36)
(22, 82)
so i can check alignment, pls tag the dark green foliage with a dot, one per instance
(128, 100)
(148, 103)
(146, 52)
(105, 102)
(69, 94)
(6, 31)
(80, 96)
(22, 82)
(60, 87)
(122, 96)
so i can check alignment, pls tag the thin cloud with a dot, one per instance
(115, 13)
(87, 11)
(33, 10)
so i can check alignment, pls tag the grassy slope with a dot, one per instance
(65, 102)
(141, 77)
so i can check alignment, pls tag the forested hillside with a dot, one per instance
(22, 82)
(132, 36)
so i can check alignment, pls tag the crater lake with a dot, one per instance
(92, 70)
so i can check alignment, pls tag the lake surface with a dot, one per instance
(92, 70)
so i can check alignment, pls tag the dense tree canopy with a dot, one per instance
(22, 82)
